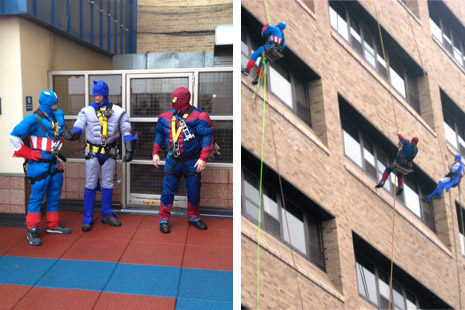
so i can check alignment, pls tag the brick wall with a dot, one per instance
(13, 194)
(180, 26)
(313, 161)
(216, 189)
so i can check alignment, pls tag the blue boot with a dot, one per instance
(437, 191)
(89, 203)
(108, 216)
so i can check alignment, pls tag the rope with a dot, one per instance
(455, 248)
(392, 240)
(385, 62)
(395, 180)
(261, 187)
(267, 12)
(443, 156)
(285, 213)
(461, 212)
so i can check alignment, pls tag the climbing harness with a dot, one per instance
(174, 150)
(103, 114)
(53, 148)
(273, 51)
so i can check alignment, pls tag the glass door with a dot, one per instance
(149, 95)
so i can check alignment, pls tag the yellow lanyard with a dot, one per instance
(56, 132)
(173, 126)
(173, 129)
(103, 122)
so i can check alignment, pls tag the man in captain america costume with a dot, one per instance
(188, 135)
(104, 121)
(275, 40)
(44, 128)
(405, 157)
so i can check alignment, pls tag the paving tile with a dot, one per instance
(11, 236)
(210, 285)
(208, 257)
(148, 253)
(48, 298)
(11, 295)
(210, 237)
(96, 250)
(134, 302)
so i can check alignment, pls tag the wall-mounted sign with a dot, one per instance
(28, 103)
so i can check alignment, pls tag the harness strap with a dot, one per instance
(103, 114)
(183, 163)
(56, 130)
(97, 150)
(175, 133)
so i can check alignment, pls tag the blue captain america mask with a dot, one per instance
(47, 100)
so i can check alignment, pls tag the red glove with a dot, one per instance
(28, 153)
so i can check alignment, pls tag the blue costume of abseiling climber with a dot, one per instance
(275, 39)
(188, 135)
(452, 179)
(405, 158)
(44, 128)
(104, 122)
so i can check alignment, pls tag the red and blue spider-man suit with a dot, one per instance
(194, 144)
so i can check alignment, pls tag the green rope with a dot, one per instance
(267, 13)
(261, 180)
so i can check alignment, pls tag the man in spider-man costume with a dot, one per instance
(188, 135)
(44, 128)
(275, 40)
(405, 158)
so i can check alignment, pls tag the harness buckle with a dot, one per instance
(174, 149)
(103, 143)
(188, 135)
(56, 147)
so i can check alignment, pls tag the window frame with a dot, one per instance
(454, 37)
(292, 78)
(307, 218)
(457, 129)
(377, 273)
(377, 51)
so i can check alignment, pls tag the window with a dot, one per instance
(288, 78)
(454, 119)
(294, 225)
(373, 269)
(70, 90)
(365, 40)
(367, 148)
(216, 98)
(460, 218)
(447, 30)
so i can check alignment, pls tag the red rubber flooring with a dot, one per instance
(138, 241)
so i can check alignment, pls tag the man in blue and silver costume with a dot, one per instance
(104, 121)
(44, 128)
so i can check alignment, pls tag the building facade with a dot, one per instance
(335, 104)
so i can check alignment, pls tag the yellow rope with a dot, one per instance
(392, 240)
(385, 62)
(443, 156)
(397, 131)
